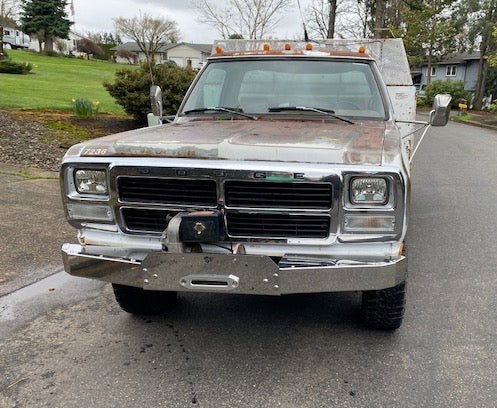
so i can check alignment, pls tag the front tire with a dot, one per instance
(384, 309)
(143, 302)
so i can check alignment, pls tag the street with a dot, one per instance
(64, 342)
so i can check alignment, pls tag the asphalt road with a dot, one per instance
(65, 343)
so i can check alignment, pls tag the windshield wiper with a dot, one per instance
(221, 109)
(305, 108)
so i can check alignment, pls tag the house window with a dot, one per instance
(451, 70)
(6, 32)
(433, 72)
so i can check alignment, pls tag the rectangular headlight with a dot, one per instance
(91, 181)
(369, 190)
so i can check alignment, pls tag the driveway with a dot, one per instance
(214, 350)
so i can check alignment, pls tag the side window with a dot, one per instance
(451, 70)
(213, 87)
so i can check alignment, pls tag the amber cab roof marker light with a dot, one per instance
(308, 47)
(362, 50)
(219, 50)
(266, 47)
(288, 47)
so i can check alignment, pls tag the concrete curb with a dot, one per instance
(473, 123)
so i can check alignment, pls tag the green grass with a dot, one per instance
(55, 81)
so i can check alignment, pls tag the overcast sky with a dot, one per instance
(97, 15)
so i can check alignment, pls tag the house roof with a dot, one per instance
(456, 59)
(133, 46)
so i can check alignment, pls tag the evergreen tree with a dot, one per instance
(429, 32)
(478, 18)
(46, 18)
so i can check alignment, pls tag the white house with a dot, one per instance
(183, 54)
(71, 43)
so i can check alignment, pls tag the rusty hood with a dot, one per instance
(310, 141)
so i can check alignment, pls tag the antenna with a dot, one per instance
(306, 37)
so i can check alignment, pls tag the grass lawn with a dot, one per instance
(55, 81)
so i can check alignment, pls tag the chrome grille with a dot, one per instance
(167, 191)
(147, 220)
(278, 225)
(265, 194)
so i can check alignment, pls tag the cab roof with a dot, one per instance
(389, 54)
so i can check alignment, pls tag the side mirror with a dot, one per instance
(439, 116)
(156, 100)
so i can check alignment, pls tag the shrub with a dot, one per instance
(131, 88)
(493, 106)
(61, 46)
(420, 101)
(10, 67)
(85, 109)
(107, 53)
(454, 88)
(88, 47)
(127, 54)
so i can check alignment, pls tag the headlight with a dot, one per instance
(91, 181)
(369, 190)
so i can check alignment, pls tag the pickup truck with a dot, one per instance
(285, 170)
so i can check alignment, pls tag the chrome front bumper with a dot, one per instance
(249, 274)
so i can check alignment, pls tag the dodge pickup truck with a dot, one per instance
(285, 170)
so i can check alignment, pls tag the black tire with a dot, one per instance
(384, 309)
(143, 302)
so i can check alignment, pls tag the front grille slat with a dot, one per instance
(140, 219)
(264, 194)
(278, 225)
(167, 191)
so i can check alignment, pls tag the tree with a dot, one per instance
(430, 32)
(8, 12)
(127, 54)
(479, 17)
(47, 19)
(88, 47)
(321, 17)
(149, 33)
(252, 19)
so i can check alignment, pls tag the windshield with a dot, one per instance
(262, 86)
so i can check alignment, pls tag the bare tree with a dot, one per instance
(253, 19)
(322, 17)
(149, 33)
(337, 19)
(9, 8)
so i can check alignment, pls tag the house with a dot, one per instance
(183, 54)
(14, 38)
(70, 43)
(461, 67)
